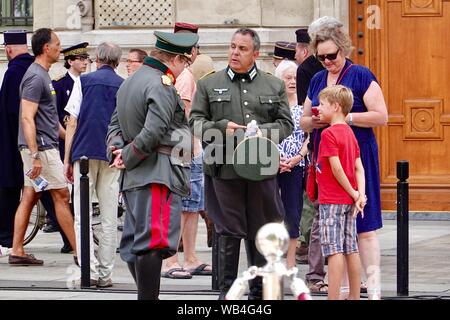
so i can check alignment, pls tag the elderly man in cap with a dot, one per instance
(195, 202)
(150, 141)
(308, 64)
(224, 104)
(283, 50)
(90, 106)
(11, 174)
(76, 60)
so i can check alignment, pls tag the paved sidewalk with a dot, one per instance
(429, 259)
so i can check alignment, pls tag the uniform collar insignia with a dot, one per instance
(249, 75)
(158, 65)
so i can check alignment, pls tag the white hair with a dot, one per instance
(322, 23)
(283, 66)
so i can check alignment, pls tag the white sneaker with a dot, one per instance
(4, 251)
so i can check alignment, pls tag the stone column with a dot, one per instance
(335, 8)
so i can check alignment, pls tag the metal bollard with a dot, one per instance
(84, 208)
(272, 242)
(402, 228)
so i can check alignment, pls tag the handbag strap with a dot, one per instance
(341, 76)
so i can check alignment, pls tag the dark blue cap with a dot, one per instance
(11, 37)
(302, 36)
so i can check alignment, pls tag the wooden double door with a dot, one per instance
(406, 43)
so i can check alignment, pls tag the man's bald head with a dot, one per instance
(14, 50)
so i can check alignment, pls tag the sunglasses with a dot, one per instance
(330, 56)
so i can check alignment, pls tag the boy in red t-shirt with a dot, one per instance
(340, 178)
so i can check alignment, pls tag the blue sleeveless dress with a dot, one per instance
(358, 79)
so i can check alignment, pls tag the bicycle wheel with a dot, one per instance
(37, 221)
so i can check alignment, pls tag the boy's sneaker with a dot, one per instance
(4, 251)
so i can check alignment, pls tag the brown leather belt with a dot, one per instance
(167, 150)
(174, 152)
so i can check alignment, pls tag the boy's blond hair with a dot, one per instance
(339, 94)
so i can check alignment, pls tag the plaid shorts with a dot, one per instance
(337, 229)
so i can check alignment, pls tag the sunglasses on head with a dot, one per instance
(330, 56)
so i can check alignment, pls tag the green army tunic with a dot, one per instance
(226, 96)
(150, 115)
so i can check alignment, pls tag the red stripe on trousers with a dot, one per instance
(155, 226)
(166, 218)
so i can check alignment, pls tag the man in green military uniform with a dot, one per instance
(149, 139)
(224, 104)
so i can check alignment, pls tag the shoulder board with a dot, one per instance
(207, 74)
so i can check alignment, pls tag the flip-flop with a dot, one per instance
(200, 270)
(171, 274)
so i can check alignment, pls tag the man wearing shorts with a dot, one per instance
(38, 143)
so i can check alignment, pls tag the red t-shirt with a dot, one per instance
(337, 140)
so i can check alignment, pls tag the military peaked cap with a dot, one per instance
(185, 27)
(76, 50)
(176, 43)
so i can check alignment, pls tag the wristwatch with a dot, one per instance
(350, 119)
(35, 155)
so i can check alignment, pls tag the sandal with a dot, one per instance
(176, 273)
(318, 286)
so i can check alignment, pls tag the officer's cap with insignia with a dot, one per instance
(302, 36)
(14, 37)
(78, 50)
(180, 43)
(284, 50)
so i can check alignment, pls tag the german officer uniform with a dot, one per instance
(150, 127)
(11, 170)
(238, 207)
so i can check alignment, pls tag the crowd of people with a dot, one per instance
(165, 139)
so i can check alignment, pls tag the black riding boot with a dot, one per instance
(148, 275)
(229, 249)
(254, 258)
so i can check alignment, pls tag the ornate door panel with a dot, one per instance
(409, 50)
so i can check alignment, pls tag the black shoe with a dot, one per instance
(66, 249)
(50, 228)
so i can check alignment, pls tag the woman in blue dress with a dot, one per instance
(332, 45)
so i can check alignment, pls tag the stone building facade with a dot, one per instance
(131, 23)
